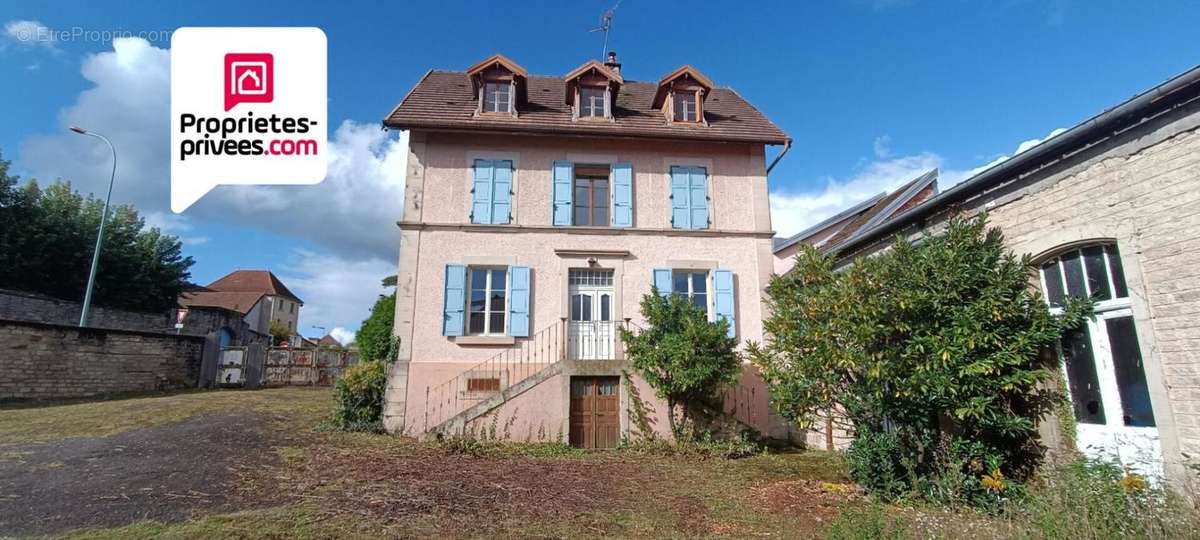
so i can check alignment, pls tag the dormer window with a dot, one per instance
(685, 107)
(497, 97)
(593, 102)
(591, 89)
(499, 86)
(681, 95)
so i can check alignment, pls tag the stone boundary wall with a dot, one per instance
(27, 306)
(49, 361)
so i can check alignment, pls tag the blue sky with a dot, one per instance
(873, 92)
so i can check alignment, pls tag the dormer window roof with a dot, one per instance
(591, 90)
(499, 85)
(681, 95)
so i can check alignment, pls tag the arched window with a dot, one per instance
(1105, 371)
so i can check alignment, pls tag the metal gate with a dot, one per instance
(253, 367)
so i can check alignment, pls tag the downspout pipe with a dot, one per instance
(786, 146)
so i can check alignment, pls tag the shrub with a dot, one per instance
(873, 462)
(682, 355)
(941, 343)
(359, 397)
(375, 339)
(1091, 499)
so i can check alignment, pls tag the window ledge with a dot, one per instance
(485, 340)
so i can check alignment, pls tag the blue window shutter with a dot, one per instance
(481, 192)
(681, 215)
(502, 171)
(518, 301)
(662, 281)
(723, 285)
(454, 300)
(622, 192)
(564, 171)
(699, 196)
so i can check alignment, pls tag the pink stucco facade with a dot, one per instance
(436, 232)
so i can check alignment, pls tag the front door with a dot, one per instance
(594, 406)
(591, 333)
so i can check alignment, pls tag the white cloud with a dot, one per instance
(29, 34)
(337, 291)
(882, 146)
(1025, 145)
(344, 336)
(793, 212)
(350, 218)
(352, 213)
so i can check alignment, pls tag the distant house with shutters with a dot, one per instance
(538, 212)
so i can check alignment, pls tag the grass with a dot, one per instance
(294, 407)
(360, 485)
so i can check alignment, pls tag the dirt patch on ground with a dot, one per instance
(166, 473)
(821, 501)
(395, 484)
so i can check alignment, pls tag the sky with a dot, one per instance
(873, 92)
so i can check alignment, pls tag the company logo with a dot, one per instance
(250, 132)
(249, 78)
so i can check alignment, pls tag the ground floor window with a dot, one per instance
(487, 304)
(693, 285)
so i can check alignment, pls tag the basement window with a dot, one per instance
(483, 384)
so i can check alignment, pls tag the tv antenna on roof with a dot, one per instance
(606, 25)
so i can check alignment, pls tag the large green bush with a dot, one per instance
(941, 344)
(358, 394)
(683, 356)
(375, 339)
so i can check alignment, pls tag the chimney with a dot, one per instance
(612, 63)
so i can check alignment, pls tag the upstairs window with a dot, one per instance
(591, 197)
(685, 107)
(497, 97)
(593, 102)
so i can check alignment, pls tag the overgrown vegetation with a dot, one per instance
(683, 356)
(375, 339)
(47, 237)
(704, 446)
(358, 397)
(936, 352)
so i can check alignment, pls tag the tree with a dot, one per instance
(47, 237)
(279, 332)
(683, 356)
(375, 336)
(942, 349)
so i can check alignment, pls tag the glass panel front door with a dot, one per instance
(591, 333)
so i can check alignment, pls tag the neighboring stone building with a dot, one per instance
(257, 296)
(1110, 209)
(538, 211)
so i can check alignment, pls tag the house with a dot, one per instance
(538, 211)
(258, 296)
(1108, 209)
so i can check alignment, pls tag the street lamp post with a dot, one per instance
(87, 296)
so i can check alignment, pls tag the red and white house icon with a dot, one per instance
(249, 78)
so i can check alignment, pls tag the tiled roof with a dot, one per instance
(241, 302)
(256, 281)
(445, 100)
